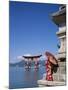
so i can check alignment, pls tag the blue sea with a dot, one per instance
(19, 77)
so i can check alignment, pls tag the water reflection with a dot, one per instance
(36, 74)
(31, 77)
(27, 75)
(21, 77)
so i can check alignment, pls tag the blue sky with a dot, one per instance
(31, 29)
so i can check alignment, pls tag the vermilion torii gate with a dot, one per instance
(32, 58)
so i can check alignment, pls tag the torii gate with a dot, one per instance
(32, 58)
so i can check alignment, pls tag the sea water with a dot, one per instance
(19, 77)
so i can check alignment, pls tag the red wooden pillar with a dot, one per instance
(36, 63)
(28, 63)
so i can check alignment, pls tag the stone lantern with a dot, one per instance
(59, 18)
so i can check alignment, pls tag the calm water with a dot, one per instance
(19, 77)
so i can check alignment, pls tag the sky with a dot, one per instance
(32, 30)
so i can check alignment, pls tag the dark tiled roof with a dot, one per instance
(62, 11)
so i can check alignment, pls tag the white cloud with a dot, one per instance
(20, 57)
